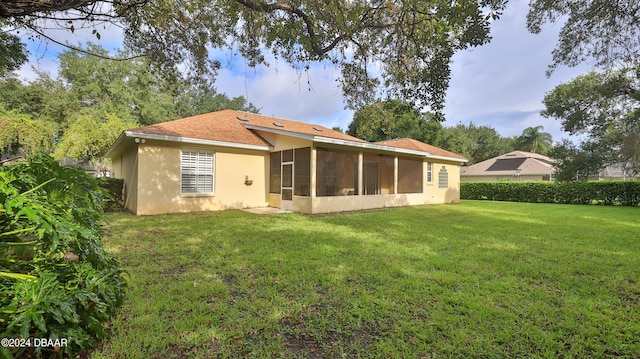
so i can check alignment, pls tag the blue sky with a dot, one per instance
(500, 84)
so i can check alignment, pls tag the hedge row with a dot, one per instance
(625, 193)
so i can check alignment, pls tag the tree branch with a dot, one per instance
(79, 49)
(309, 23)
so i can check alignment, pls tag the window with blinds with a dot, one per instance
(196, 172)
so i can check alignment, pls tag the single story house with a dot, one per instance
(513, 166)
(232, 160)
(616, 172)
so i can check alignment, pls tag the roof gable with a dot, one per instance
(411, 144)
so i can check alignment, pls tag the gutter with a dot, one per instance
(373, 146)
(188, 140)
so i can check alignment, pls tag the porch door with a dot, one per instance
(371, 180)
(286, 196)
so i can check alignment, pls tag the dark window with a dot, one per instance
(336, 172)
(409, 175)
(302, 169)
(274, 176)
(287, 156)
(287, 175)
(371, 178)
(378, 174)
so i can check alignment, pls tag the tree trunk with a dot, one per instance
(17, 8)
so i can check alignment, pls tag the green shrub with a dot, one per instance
(56, 280)
(626, 193)
(114, 186)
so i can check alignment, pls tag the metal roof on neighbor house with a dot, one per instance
(525, 163)
(506, 164)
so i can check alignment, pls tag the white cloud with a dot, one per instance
(502, 84)
(281, 91)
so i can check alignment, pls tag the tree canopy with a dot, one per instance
(393, 119)
(605, 107)
(12, 53)
(602, 32)
(533, 139)
(476, 143)
(385, 49)
(20, 132)
(579, 162)
(396, 119)
(81, 113)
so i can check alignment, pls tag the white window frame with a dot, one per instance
(202, 164)
(430, 172)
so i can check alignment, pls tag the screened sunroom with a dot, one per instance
(319, 179)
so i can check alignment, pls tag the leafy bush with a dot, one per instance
(626, 193)
(56, 280)
(114, 187)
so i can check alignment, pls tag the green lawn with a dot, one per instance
(476, 279)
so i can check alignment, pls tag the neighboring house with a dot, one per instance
(513, 166)
(231, 160)
(94, 170)
(616, 172)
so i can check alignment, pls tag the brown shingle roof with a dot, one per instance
(225, 126)
(243, 128)
(295, 126)
(411, 144)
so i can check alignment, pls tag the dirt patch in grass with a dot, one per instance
(212, 348)
(302, 347)
(172, 271)
(301, 339)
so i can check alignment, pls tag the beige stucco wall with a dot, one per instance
(356, 203)
(125, 166)
(435, 195)
(152, 175)
(158, 182)
(281, 143)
